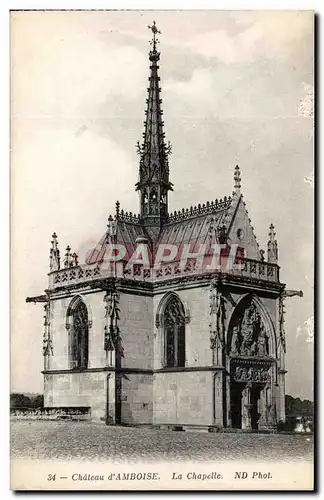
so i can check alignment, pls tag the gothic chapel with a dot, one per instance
(175, 346)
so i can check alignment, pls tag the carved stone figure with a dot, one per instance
(251, 374)
(112, 318)
(249, 337)
(262, 344)
(257, 375)
(246, 406)
(248, 330)
(113, 309)
(235, 344)
(282, 323)
(217, 315)
(238, 373)
(244, 374)
(264, 375)
(47, 341)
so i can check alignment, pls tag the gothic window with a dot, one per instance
(174, 333)
(153, 200)
(153, 196)
(78, 335)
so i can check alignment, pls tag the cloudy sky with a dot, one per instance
(237, 88)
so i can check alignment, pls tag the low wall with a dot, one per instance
(56, 413)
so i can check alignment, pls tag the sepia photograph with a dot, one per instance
(162, 250)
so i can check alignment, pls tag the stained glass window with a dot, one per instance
(174, 330)
(78, 336)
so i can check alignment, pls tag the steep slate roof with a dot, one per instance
(127, 233)
(199, 225)
(195, 230)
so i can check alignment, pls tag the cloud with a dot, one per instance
(66, 171)
(65, 71)
(221, 45)
(254, 91)
(198, 87)
(264, 34)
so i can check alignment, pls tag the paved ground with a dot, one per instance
(83, 440)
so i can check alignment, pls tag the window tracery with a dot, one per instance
(78, 335)
(174, 332)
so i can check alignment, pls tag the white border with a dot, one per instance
(5, 6)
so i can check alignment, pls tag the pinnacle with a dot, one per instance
(237, 178)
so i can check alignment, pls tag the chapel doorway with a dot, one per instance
(255, 411)
(245, 405)
(250, 361)
(236, 405)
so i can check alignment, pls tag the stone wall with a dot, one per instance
(183, 398)
(137, 398)
(89, 388)
(136, 330)
(81, 389)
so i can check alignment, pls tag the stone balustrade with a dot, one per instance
(248, 269)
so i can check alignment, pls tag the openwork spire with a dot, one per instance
(153, 180)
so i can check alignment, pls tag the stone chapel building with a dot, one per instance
(178, 346)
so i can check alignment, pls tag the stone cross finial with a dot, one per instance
(54, 241)
(272, 232)
(75, 259)
(112, 227)
(68, 260)
(237, 179)
(272, 246)
(54, 254)
(109, 225)
(117, 209)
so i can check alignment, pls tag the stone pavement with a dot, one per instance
(86, 440)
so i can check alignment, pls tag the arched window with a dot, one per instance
(174, 333)
(78, 335)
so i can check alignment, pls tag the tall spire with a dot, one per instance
(153, 183)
